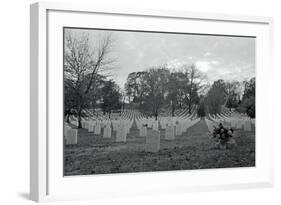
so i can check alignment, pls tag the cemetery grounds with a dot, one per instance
(192, 148)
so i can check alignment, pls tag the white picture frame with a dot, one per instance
(47, 182)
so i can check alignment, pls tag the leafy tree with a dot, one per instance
(248, 99)
(154, 90)
(133, 86)
(111, 97)
(216, 96)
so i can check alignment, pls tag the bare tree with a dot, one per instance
(194, 80)
(83, 61)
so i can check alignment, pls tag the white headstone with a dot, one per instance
(163, 124)
(155, 125)
(247, 126)
(75, 123)
(97, 129)
(149, 124)
(115, 125)
(152, 143)
(71, 136)
(121, 135)
(91, 127)
(143, 131)
(170, 133)
(107, 132)
(83, 123)
(178, 129)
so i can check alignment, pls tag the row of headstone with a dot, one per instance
(179, 127)
(237, 123)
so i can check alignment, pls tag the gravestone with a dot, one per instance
(170, 133)
(115, 125)
(121, 135)
(152, 143)
(75, 123)
(155, 125)
(107, 132)
(97, 129)
(149, 124)
(178, 129)
(127, 126)
(91, 127)
(71, 136)
(143, 131)
(163, 124)
(83, 123)
(247, 126)
(239, 124)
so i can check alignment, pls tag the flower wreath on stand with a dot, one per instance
(224, 137)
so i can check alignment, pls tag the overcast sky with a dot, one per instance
(219, 57)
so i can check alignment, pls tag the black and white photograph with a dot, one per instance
(148, 101)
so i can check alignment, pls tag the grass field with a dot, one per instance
(195, 149)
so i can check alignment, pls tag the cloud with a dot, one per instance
(205, 66)
(174, 64)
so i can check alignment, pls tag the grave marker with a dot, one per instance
(71, 136)
(121, 135)
(178, 129)
(170, 133)
(97, 129)
(155, 125)
(247, 126)
(152, 141)
(107, 132)
(143, 131)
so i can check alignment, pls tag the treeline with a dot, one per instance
(159, 88)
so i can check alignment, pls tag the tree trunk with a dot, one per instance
(67, 118)
(79, 118)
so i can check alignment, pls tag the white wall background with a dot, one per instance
(14, 101)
